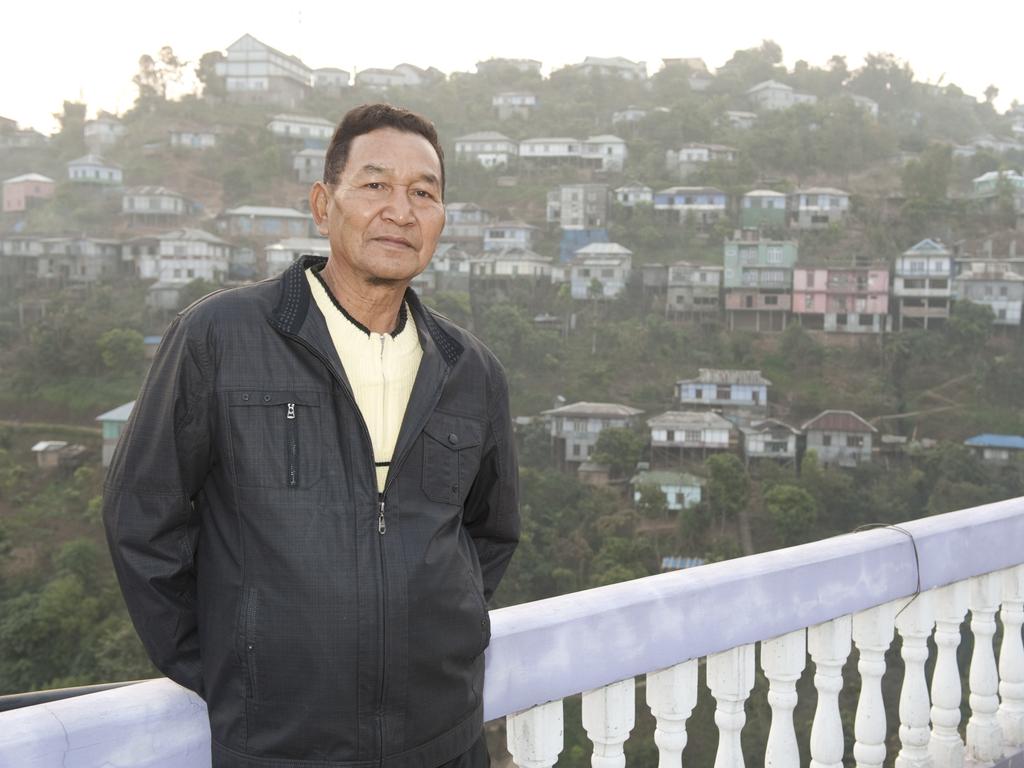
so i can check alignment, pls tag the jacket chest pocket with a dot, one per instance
(275, 438)
(451, 457)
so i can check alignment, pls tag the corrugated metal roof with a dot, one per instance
(838, 421)
(689, 420)
(726, 376)
(1015, 442)
(583, 408)
(121, 413)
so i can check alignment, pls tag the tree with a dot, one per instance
(206, 73)
(991, 93)
(619, 448)
(122, 350)
(154, 75)
(970, 326)
(793, 512)
(926, 178)
(728, 488)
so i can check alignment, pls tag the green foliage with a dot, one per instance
(969, 327)
(620, 448)
(793, 512)
(122, 350)
(728, 488)
(652, 503)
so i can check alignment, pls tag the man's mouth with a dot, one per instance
(394, 241)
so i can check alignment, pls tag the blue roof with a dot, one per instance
(996, 441)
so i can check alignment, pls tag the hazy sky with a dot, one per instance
(89, 50)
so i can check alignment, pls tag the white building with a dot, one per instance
(727, 390)
(511, 263)
(179, 256)
(192, 138)
(330, 79)
(604, 265)
(514, 104)
(578, 425)
(103, 132)
(681, 489)
(255, 72)
(922, 286)
(690, 430)
(817, 207)
(301, 127)
(773, 95)
(550, 149)
(489, 148)
(607, 152)
(465, 222)
(500, 235)
(612, 67)
(154, 205)
(93, 169)
(308, 164)
(769, 439)
(279, 256)
(691, 157)
(633, 194)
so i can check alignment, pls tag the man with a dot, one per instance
(316, 493)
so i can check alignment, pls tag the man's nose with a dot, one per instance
(399, 207)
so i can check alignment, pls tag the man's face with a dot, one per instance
(384, 214)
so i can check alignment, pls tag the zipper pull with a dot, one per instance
(291, 410)
(382, 527)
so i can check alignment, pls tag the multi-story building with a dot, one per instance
(694, 290)
(22, 192)
(465, 223)
(510, 104)
(509, 264)
(331, 81)
(179, 256)
(489, 148)
(304, 127)
(763, 208)
(769, 439)
(279, 256)
(612, 67)
(93, 169)
(500, 235)
(260, 221)
(772, 95)
(992, 283)
(155, 205)
(676, 434)
(848, 299)
(758, 280)
(64, 259)
(600, 271)
(308, 164)
(691, 157)
(579, 206)
(817, 207)
(702, 206)
(604, 153)
(575, 427)
(630, 195)
(254, 72)
(103, 132)
(922, 286)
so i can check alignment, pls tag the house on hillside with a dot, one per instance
(155, 206)
(193, 137)
(758, 280)
(771, 95)
(817, 207)
(677, 434)
(465, 223)
(763, 208)
(254, 72)
(64, 259)
(103, 132)
(630, 195)
(694, 290)
(27, 190)
(839, 437)
(727, 391)
(179, 256)
(509, 264)
(578, 206)
(691, 157)
(922, 286)
(489, 148)
(850, 299)
(997, 449)
(93, 169)
(331, 81)
(497, 66)
(681, 489)
(992, 283)
(280, 255)
(600, 271)
(113, 423)
(604, 152)
(769, 439)
(702, 206)
(500, 235)
(264, 221)
(611, 67)
(575, 427)
(308, 164)
(303, 127)
(510, 104)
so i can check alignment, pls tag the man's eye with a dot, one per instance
(423, 194)
(374, 185)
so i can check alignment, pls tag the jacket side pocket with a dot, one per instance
(250, 608)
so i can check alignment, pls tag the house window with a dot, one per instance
(698, 393)
(691, 435)
(774, 254)
(808, 301)
(575, 449)
(584, 272)
(771, 301)
(810, 279)
(826, 440)
(1002, 290)
(607, 272)
(854, 441)
(723, 392)
(670, 436)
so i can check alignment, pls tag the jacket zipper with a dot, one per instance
(396, 465)
(250, 640)
(292, 446)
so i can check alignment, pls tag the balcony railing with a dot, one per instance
(918, 580)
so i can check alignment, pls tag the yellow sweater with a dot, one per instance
(381, 369)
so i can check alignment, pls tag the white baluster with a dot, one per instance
(914, 623)
(672, 695)
(829, 645)
(872, 633)
(1011, 661)
(535, 735)
(945, 746)
(783, 659)
(608, 716)
(730, 678)
(984, 736)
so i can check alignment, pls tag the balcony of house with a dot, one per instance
(922, 288)
(937, 583)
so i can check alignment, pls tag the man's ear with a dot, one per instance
(319, 198)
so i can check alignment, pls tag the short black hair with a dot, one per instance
(369, 117)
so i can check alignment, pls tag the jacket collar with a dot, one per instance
(289, 316)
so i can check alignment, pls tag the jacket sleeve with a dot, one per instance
(491, 513)
(149, 503)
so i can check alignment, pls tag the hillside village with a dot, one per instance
(827, 209)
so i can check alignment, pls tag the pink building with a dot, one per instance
(23, 191)
(842, 299)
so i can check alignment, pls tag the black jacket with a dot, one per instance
(322, 626)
